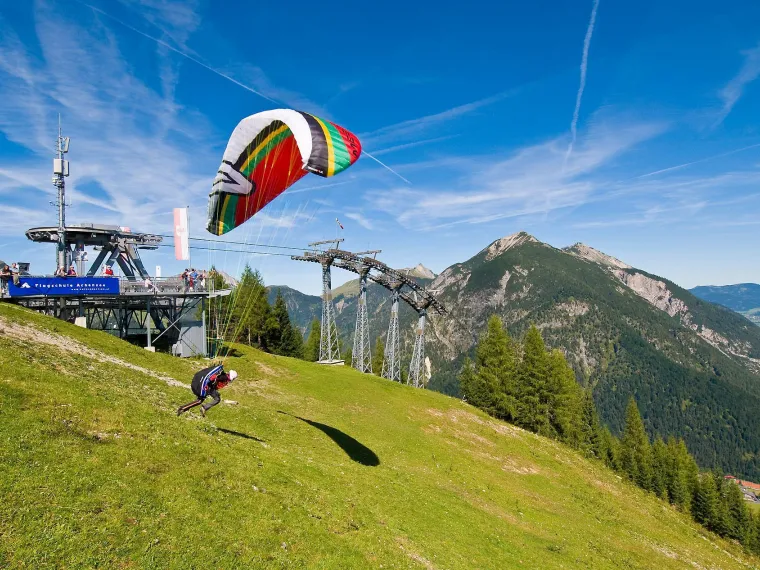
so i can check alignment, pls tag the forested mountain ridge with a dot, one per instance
(744, 298)
(691, 365)
(740, 297)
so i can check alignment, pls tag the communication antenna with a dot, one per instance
(60, 172)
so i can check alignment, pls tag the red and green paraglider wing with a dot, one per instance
(266, 154)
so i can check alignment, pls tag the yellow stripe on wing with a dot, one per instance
(330, 149)
(263, 145)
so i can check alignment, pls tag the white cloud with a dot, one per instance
(531, 181)
(123, 146)
(732, 92)
(363, 221)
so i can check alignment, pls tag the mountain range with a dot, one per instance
(743, 298)
(693, 366)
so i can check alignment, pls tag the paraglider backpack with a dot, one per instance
(203, 380)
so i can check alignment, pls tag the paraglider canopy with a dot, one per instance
(266, 154)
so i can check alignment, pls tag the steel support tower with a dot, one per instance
(329, 348)
(417, 373)
(392, 361)
(361, 357)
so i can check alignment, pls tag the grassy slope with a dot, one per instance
(97, 471)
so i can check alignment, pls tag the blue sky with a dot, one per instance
(631, 126)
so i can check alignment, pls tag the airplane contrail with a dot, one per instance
(386, 166)
(211, 69)
(680, 166)
(579, 96)
(179, 52)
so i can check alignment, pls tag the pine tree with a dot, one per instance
(533, 385)
(677, 483)
(284, 341)
(565, 400)
(474, 388)
(311, 349)
(754, 538)
(636, 452)
(612, 451)
(297, 350)
(254, 321)
(494, 367)
(720, 522)
(347, 356)
(705, 504)
(739, 523)
(660, 468)
(591, 439)
(378, 356)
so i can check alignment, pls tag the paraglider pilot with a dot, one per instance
(208, 382)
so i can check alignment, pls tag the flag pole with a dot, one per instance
(189, 255)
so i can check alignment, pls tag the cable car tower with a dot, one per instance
(329, 348)
(60, 172)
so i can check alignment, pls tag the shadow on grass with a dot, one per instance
(354, 449)
(239, 434)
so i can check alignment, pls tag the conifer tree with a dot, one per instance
(739, 527)
(636, 453)
(720, 523)
(591, 439)
(347, 356)
(677, 483)
(660, 468)
(533, 385)
(286, 340)
(254, 321)
(611, 450)
(705, 504)
(474, 388)
(378, 356)
(754, 538)
(494, 367)
(565, 400)
(311, 349)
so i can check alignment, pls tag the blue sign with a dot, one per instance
(60, 286)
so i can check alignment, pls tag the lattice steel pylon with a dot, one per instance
(417, 373)
(392, 360)
(329, 349)
(361, 357)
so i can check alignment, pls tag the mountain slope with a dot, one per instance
(302, 308)
(313, 467)
(691, 365)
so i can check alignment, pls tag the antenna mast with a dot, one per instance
(60, 172)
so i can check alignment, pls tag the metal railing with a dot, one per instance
(161, 285)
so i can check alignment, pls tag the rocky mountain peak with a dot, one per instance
(421, 271)
(594, 255)
(506, 243)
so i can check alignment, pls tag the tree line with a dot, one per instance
(536, 389)
(246, 316)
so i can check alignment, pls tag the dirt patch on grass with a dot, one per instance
(521, 468)
(16, 331)
(268, 370)
(403, 544)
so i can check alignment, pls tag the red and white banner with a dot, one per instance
(181, 234)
